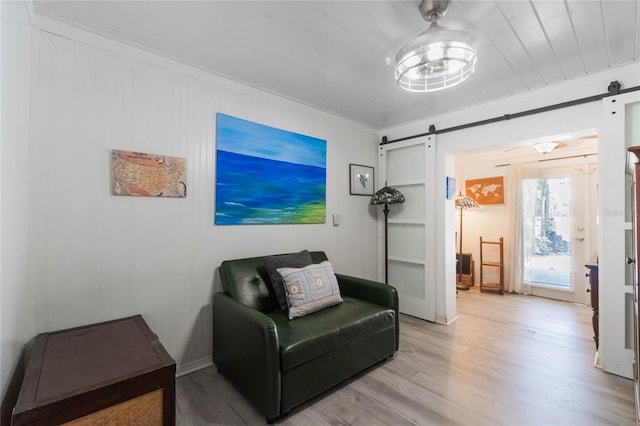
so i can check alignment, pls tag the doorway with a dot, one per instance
(562, 231)
(558, 225)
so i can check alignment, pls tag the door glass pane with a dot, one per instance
(629, 191)
(408, 278)
(405, 164)
(629, 270)
(406, 240)
(413, 207)
(547, 227)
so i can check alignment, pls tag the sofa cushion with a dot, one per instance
(310, 289)
(293, 260)
(321, 332)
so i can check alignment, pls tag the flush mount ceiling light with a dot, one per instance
(439, 57)
(547, 147)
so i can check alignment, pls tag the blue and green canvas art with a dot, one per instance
(266, 175)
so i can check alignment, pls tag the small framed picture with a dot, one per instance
(451, 188)
(361, 182)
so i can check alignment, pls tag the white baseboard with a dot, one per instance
(192, 366)
(446, 320)
(597, 362)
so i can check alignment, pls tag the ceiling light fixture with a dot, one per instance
(547, 147)
(439, 57)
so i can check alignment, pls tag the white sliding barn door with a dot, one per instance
(620, 130)
(409, 167)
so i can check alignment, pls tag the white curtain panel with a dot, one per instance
(513, 247)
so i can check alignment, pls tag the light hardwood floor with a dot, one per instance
(508, 360)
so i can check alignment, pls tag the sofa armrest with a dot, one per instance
(374, 292)
(246, 351)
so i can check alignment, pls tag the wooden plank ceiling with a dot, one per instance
(338, 56)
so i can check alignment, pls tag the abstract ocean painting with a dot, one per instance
(266, 175)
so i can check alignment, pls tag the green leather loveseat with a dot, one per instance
(278, 363)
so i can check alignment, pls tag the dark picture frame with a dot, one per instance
(361, 180)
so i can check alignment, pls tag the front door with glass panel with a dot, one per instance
(556, 231)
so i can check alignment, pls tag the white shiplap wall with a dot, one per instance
(17, 318)
(96, 257)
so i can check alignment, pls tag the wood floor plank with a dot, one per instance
(508, 360)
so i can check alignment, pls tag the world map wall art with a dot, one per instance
(266, 175)
(148, 175)
(486, 190)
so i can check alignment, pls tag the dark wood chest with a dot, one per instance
(116, 372)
